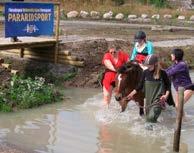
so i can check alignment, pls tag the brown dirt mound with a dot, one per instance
(85, 77)
(5, 76)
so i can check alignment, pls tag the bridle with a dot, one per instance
(118, 87)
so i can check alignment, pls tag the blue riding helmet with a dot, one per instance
(140, 35)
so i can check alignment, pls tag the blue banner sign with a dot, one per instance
(28, 19)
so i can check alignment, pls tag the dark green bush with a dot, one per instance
(119, 2)
(69, 76)
(157, 3)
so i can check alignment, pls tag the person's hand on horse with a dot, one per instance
(163, 98)
(129, 96)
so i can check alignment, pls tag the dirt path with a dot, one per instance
(109, 23)
(162, 36)
(175, 43)
(9, 149)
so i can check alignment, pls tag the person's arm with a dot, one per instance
(126, 57)
(172, 70)
(109, 65)
(150, 48)
(167, 85)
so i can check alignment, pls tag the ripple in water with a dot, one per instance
(3, 133)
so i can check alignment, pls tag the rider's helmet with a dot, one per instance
(151, 59)
(140, 35)
(178, 53)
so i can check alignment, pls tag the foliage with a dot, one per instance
(118, 2)
(50, 77)
(32, 72)
(69, 76)
(157, 3)
(27, 93)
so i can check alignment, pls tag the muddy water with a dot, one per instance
(81, 125)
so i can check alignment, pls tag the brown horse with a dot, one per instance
(127, 79)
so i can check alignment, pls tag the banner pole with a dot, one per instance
(57, 32)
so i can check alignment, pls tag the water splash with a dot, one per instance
(130, 119)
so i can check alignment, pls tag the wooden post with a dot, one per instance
(21, 52)
(57, 33)
(177, 132)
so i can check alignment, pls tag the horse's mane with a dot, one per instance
(130, 66)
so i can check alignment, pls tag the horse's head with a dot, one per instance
(126, 80)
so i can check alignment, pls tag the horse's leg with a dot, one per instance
(141, 108)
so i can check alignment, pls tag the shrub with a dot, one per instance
(69, 76)
(119, 2)
(27, 93)
(157, 3)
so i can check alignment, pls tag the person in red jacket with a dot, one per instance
(113, 59)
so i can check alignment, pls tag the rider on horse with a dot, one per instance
(142, 47)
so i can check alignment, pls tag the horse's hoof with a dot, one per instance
(122, 111)
(141, 114)
(149, 127)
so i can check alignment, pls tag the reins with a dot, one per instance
(160, 102)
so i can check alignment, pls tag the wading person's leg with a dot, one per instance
(187, 96)
(107, 96)
(153, 114)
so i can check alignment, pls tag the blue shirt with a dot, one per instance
(149, 49)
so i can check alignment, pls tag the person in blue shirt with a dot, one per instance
(179, 75)
(142, 48)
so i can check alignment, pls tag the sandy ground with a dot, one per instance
(9, 149)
